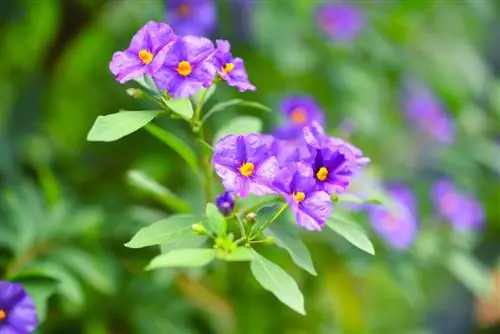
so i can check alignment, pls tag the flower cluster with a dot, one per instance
(305, 172)
(178, 65)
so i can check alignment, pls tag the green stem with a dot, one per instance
(254, 207)
(242, 229)
(199, 105)
(269, 222)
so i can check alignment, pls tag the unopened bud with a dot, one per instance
(232, 247)
(199, 229)
(219, 242)
(252, 216)
(268, 241)
(135, 93)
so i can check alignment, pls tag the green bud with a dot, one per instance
(252, 216)
(219, 242)
(268, 241)
(135, 93)
(199, 229)
(232, 247)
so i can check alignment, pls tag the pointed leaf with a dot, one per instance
(351, 232)
(233, 103)
(238, 126)
(177, 145)
(470, 272)
(278, 282)
(215, 219)
(196, 257)
(167, 230)
(287, 237)
(115, 126)
(181, 107)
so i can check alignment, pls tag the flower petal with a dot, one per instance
(126, 66)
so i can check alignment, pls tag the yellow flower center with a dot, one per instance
(322, 174)
(247, 169)
(184, 68)
(3, 314)
(299, 116)
(184, 10)
(299, 196)
(228, 68)
(145, 56)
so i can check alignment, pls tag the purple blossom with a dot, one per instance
(299, 111)
(463, 211)
(145, 54)
(340, 22)
(289, 151)
(186, 67)
(17, 310)
(427, 113)
(232, 70)
(398, 227)
(245, 165)
(310, 206)
(225, 203)
(191, 17)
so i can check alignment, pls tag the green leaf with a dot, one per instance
(177, 145)
(196, 97)
(140, 180)
(115, 126)
(181, 107)
(264, 214)
(240, 254)
(287, 237)
(470, 272)
(196, 257)
(351, 232)
(215, 219)
(278, 282)
(40, 291)
(350, 198)
(209, 149)
(233, 103)
(167, 230)
(238, 126)
(147, 83)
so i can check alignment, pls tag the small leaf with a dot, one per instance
(196, 257)
(181, 107)
(470, 272)
(164, 231)
(278, 282)
(286, 236)
(240, 254)
(351, 232)
(140, 180)
(115, 126)
(175, 144)
(238, 126)
(232, 103)
(215, 219)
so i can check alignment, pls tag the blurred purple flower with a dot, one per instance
(341, 22)
(310, 206)
(225, 203)
(289, 151)
(186, 67)
(398, 227)
(17, 310)
(232, 70)
(145, 54)
(299, 111)
(244, 163)
(191, 17)
(423, 109)
(463, 211)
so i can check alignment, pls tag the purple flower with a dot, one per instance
(191, 17)
(463, 211)
(232, 70)
(299, 111)
(289, 151)
(398, 227)
(225, 203)
(244, 164)
(186, 67)
(340, 22)
(426, 112)
(145, 54)
(297, 186)
(17, 310)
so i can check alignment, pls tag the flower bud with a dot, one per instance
(198, 228)
(233, 247)
(135, 93)
(252, 216)
(268, 241)
(225, 203)
(219, 242)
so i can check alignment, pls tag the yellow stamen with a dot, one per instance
(322, 174)
(145, 56)
(184, 10)
(184, 68)
(228, 68)
(3, 314)
(299, 196)
(247, 169)
(299, 116)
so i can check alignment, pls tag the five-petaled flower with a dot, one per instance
(191, 17)
(310, 206)
(145, 54)
(17, 309)
(232, 70)
(244, 164)
(299, 111)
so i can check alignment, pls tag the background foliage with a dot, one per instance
(68, 206)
